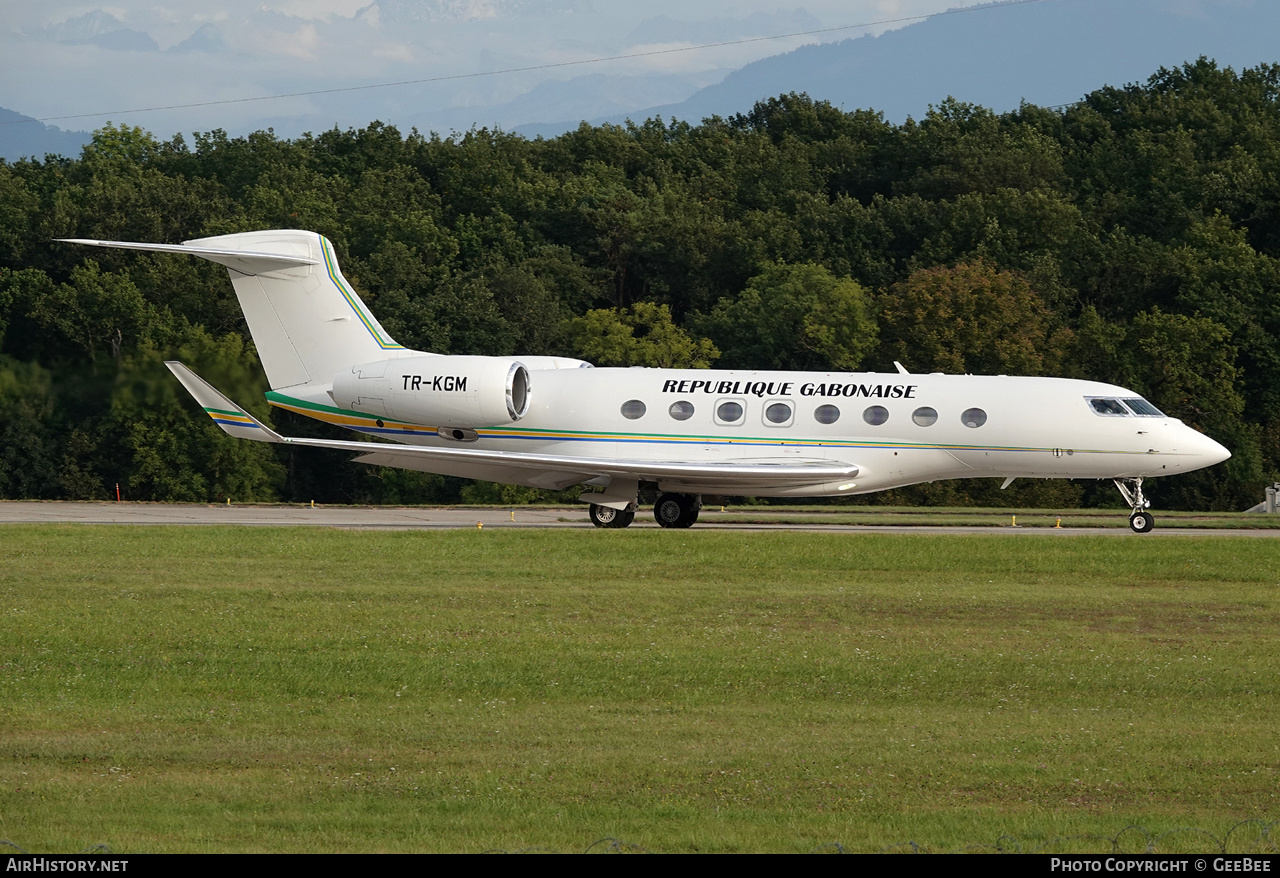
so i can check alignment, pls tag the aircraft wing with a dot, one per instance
(532, 468)
(556, 472)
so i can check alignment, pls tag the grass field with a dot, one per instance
(257, 689)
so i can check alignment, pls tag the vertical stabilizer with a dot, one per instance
(306, 321)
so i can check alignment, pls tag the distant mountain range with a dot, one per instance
(21, 136)
(1048, 53)
(97, 28)
(104, 30)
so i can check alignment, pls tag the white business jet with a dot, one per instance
(553, 422)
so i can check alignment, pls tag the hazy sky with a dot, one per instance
(50, 68)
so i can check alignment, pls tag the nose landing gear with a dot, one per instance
(1141, 521)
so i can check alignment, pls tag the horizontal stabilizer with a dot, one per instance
(242, 261)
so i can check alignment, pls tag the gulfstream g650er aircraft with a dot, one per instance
(552, 422)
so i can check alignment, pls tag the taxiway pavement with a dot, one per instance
(425, 518)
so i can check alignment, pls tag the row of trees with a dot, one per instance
(1131, 238)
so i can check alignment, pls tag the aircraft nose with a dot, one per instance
(1203, 450)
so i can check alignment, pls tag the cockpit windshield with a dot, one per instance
(1111, 407)
(1143, 408)
(1123, 408)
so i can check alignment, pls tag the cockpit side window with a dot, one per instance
(1143, 408)
(1107, 407)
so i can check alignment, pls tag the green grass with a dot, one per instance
(225, 689)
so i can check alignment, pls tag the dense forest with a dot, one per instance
(1133, 237)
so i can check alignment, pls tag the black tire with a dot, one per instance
(607, 516)
(1141, 522)
(667, 510)
(676, 510)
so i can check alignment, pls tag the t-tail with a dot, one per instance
(306, 321)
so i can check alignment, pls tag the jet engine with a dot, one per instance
(437, 390)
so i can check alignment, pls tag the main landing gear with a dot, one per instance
(677, 510)
(607, 516)
(671, 510)
(1141, 521)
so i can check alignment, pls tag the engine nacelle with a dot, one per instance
(437, 391)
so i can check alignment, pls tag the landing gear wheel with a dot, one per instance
(607, 516)
(602, 516)
(1142, 522)
(677, 510)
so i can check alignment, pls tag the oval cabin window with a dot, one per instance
(876, 415)
(925, 416)
(729, 412)
(778, 413)
(681, 411)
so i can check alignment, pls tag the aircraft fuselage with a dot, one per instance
(899, 429)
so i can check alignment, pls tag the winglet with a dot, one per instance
(233, 420)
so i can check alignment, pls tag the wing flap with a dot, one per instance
(546, 477)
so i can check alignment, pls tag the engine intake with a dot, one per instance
(438, 390)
